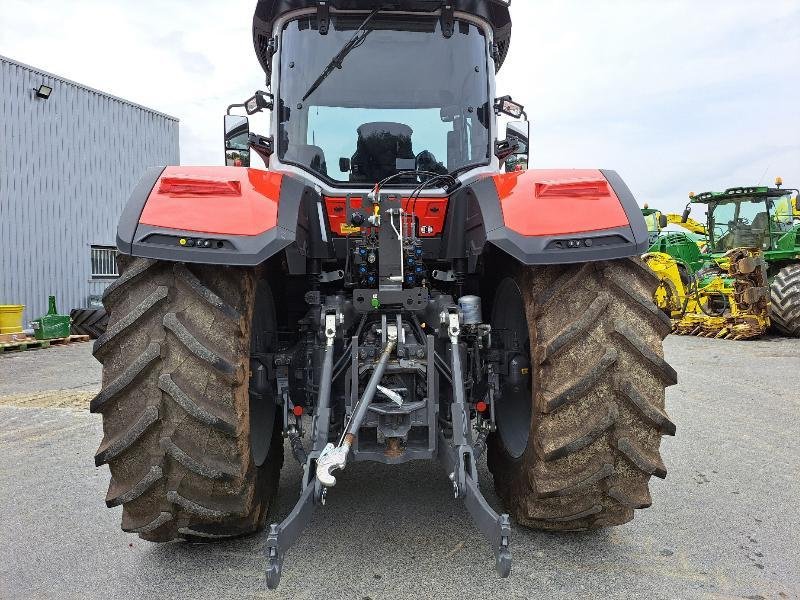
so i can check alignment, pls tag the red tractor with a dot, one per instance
(395, 286)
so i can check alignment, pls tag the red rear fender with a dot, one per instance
(218, 215)
(548, 216)
(557, 202)
(220, 200)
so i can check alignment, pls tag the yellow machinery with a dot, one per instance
(688, 223)
(730, 301)
(710, 296)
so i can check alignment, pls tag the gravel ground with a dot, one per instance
(724, 524)
(56, 377)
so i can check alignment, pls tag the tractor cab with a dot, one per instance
(396, 92)
(748, 217)
(401, 98)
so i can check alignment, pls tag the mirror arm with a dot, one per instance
(228, 112)
(267, 101)
(264, 100)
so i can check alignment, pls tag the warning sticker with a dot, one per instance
(348, 229)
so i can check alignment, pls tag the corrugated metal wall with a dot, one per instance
(67, 167)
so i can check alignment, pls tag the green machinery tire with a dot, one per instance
(179, 417)
(785, 301)
(582, 442)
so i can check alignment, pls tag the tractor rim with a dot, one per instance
(262, 406)
(513, 411)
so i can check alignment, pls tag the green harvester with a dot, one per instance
(767, 218)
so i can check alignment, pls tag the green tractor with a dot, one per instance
(766, 218)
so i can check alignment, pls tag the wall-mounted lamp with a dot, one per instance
(43, 91)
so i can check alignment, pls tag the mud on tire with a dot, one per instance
(785, 301)
(175, 402)
(597, 402)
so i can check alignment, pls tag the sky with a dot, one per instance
(675, 95)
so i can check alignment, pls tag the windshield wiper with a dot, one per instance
(336, 62)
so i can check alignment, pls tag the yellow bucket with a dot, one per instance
(11, 318)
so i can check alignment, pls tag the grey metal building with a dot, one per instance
(67, 165)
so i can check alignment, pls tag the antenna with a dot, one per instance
(764, 174)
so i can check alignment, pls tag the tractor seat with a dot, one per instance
(378, 149)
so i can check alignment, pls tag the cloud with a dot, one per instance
(187, 59)
(676, 95)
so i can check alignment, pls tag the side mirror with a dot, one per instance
(237, 141)
(516, 150)
(686, 212)
(662, 221)
(344, 165)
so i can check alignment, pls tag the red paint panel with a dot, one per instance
(558, 201)
(219, 200)
(431, 213)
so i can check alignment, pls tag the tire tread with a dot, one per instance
(598, 399)
(785, 301)
(175, 403)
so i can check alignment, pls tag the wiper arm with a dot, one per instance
(336, 62)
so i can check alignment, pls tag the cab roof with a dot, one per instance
(740, 193)
(495, 12)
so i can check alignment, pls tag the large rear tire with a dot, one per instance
(176, 404)
(578, 437)
(785, 301)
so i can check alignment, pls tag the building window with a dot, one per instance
(104, 262)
